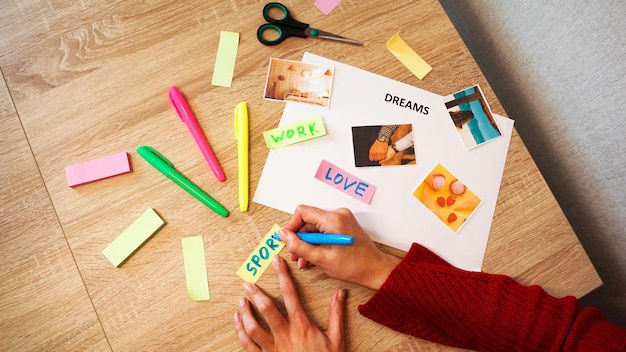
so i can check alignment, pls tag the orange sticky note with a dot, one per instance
(403, 52)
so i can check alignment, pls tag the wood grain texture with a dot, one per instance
(90, 79)
(43, 302)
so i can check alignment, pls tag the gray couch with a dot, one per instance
(559, 70)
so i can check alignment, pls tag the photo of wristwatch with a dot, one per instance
(383, 138)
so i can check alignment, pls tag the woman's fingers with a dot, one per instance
(303, 263)
(305, 218)
(296, 329)
(287, 287)
(335, 318)
(246, 341)
(299, 248)
(252, 327)
(267, 308)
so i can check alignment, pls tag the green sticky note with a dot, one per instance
(294, 133)
(403, 52)
(133, 237)
(225, 59)
(195, 269)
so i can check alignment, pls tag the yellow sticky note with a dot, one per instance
(225, 59)
(295, 132)
(195, 269)
(261, 257)
(133, 237)
(403, 52)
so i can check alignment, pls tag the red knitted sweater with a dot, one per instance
(428, 298)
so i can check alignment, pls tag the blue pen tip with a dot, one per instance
(276, 237)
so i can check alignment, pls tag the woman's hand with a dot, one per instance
(361, 263)
(295, 332)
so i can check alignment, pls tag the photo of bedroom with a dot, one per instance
(289, 80)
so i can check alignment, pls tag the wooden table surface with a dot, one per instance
(85, 79)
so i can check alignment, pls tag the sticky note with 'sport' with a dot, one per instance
(129, 241)
(252, 269)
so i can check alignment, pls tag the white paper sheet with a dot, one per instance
(394, 217)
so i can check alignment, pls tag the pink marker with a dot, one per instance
(189, 119)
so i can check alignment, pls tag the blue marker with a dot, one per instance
(322, 238)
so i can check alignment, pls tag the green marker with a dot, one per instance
(167, 168)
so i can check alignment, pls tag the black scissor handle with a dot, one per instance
(285, 20)
(283, 33)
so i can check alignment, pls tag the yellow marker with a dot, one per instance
(407, 56)
(133, 237)
(225, 59)
(195, 268)
(241, 134)
(252, 269)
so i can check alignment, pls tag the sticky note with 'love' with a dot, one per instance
(345, 182)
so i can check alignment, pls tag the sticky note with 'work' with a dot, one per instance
(97, 169)
(252, 269)
(133, 237)
(295, 132)
(403, 52)
(345, 182)
(195, 268)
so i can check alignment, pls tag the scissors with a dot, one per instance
(287, 26)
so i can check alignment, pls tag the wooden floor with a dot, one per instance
(43, 300)
(86, 79)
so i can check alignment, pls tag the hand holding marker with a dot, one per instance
(322, 238)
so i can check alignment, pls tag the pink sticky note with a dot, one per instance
(97, 169)
(326, 6)
(345, 182)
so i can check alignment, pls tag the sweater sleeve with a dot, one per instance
(428, 298)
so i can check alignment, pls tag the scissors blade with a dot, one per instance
(316, 33)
